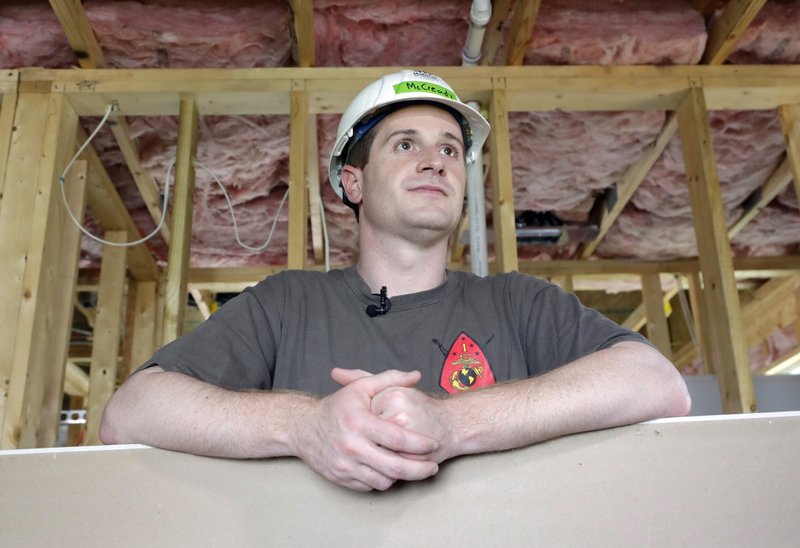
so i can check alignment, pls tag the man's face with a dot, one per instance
(413, 184)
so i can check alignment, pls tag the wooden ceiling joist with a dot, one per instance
(145, 92)
(302, 30)
(762, 196)
(81, 37)
(728, 28)
(8, 107)
(79, 33)
(519, 36)
(790, 123)
(723, 36)
(494, 31)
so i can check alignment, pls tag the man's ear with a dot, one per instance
(352, 180)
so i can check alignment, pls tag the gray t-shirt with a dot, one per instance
(292, 328)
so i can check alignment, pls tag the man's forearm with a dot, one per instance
(625, 384)
(175, 411)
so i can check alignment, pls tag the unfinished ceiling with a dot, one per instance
(563, 162)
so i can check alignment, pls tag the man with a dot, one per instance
(381, 371)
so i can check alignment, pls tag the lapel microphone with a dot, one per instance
(375, 310)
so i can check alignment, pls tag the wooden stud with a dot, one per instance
(638, 318)
(8, 107)
(39, 267)
(565, 282)
(519, 36)
(302, 32)
(178, 265)
(790, 123)
(298, 205)
(700, 317)
(503, 214)
(105, 347)
(315, 202)
(657, 328)
(144, 323)
(79, 32)
(76, 381)
(728, 28)
(716, 263)
(758, 200)
(494, 31)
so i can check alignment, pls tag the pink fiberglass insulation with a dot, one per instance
(772, 37)
(562, 160)
(152, 34)
(632, 32)
(412, 33)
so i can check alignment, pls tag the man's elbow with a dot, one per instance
(109, 425)
(680, 402)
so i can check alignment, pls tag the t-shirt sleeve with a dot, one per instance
(559, 329)
(235, 348)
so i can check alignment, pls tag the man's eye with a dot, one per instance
(449, 151)
(404, 145)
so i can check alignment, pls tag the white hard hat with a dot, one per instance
(402, 87)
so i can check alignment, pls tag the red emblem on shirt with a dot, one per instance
(465, 367)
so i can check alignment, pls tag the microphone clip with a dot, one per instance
(385, 304)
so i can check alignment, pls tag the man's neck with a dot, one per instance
(403, 269)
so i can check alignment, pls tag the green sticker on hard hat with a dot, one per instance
(415, 86)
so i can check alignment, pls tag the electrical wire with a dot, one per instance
(233, 214)
(71, 215)
(325, 242)
(167, 176)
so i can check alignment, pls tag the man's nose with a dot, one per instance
(430, 159)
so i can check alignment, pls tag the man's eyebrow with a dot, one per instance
(415, 132)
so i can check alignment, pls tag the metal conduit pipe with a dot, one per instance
(479, 16)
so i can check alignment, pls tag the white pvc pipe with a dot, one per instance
(477, 214)
(479, 16)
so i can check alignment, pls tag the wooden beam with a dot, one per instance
(76, 381)
(315, 202)
(201, 299)
(38, 268)
(728, 28)
(298, 193)
(503, 214)
(700, 317)
(144, 323)
(519, 36)
(657, 328)
(302, 31)
(8, 108)
(790, 123)
(528, 88)
(565, 282)
(638, 318)
(79, 33)
(628, 186)
(722, 300)
(105, 347)
(110, 211)
(178, 265)
(762, 196)
(494, 31)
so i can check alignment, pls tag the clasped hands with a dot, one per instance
(375, 430)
